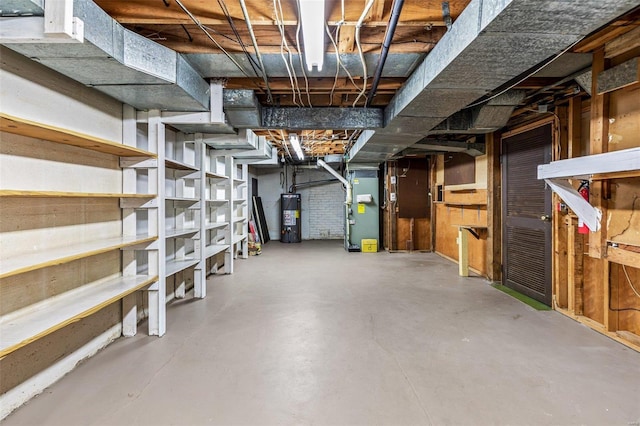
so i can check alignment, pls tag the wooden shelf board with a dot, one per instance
(32, 129)
(63, 194)
(214, 249)
(34, 322)
(466, 204)
(216, 225)
(177, 265)
(57, 256)
(179, 165)
(174, 233)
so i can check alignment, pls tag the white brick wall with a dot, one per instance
(326, 212)
(322, 206)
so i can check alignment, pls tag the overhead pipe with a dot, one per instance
(348, 198)
(386, 45)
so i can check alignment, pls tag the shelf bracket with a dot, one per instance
(590, 215)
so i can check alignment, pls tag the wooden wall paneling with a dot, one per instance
(459, 169)
(623, 221)
(628, 320)
(494, 209)
(434, 197)
(575, 276)
(624, 118)
(592, 296)
(610, 295)
(447, 233)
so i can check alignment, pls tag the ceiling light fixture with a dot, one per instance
(312, 17)
(295, 143)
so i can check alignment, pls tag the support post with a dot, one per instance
(157, 262)
(463, 252)
(598, 145)
(494, 208)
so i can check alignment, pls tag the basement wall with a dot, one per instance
(451, 212)
(322, 206)
(30, 91)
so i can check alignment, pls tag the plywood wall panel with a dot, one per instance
(592, 292)
(624, 118)
(623, 215)
(417, 237)
(628, 319)
(446, 235)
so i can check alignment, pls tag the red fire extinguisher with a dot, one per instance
(583, 190)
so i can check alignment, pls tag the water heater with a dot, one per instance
(290, 229)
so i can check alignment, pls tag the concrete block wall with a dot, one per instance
(326, 212)
(322, 206)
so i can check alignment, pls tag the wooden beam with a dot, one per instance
(463, 252)
(575, 127)
(494, 208)
(347, 40)
(610, 291)
(623, 44)
(598, 145)
(377, 11)
(623, 257)
(560, 253)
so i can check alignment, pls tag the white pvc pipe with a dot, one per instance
(345, 182)
(347, 202)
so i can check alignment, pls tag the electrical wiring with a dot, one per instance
(290, 57)
(365, 12)
(234, 29)
(304, 73)
(283, 44)
(256, 49)
(210, 37)
(339, 61)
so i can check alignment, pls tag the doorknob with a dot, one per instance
(545, 217)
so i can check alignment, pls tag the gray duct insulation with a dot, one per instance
(491, 43)
(118, 62)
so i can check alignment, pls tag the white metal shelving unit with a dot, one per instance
(239, 210)
(214, 217)
(35, 320)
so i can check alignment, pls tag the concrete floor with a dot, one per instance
(310, 334)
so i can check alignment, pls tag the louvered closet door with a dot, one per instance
(526, 214)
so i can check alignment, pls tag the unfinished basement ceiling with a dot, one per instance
(341, 81)
(455, 69)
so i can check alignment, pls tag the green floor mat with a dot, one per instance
(521, 297)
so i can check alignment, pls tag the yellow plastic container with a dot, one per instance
(369, 246)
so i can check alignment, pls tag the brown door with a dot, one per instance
(526, 212)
